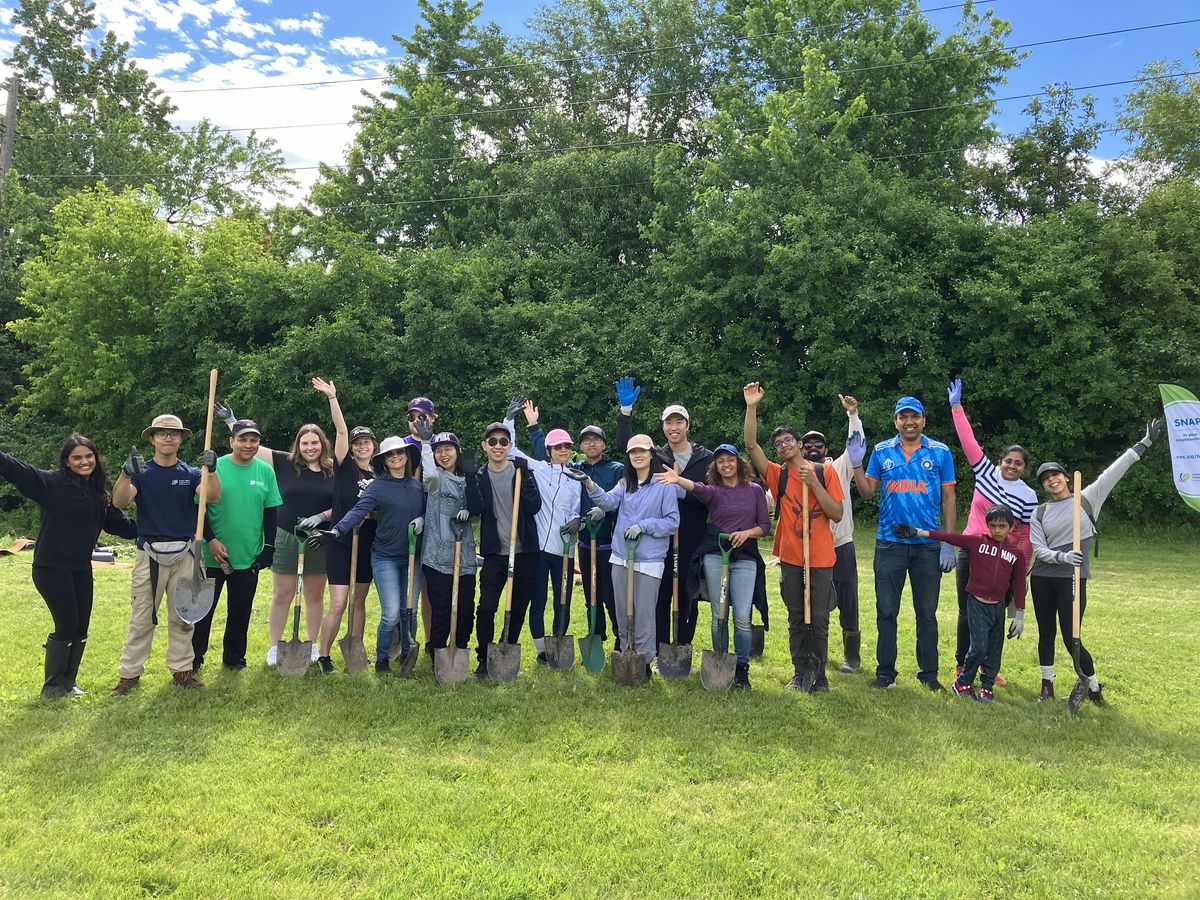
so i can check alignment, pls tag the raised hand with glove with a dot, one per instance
(515, 405)
(423, 428)
(133, 466)
(627, 392)
(224, 412)
(1153, 433)
(954, 392)
(856, 449)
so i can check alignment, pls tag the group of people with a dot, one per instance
(686, 520)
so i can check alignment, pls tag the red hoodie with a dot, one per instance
(995, 568)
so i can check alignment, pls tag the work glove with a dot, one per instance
(856, 449)
(463, 515)
(627, 392)
(572, 526)
(135, 465)
(320, 538)
(424, 428)
(576, 474)
(264, 559)
(1153, 433)
(1017, 626)
(207, 460)
(947, 558)
(224, 412)
(468, 463)
(954, 392)
(904, 531)
(595, 515)
(1069, 557)
(311, 523)
(515, 405)
(633, 532)
(418, 524)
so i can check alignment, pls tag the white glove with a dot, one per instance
(418, 524)
(1018, 624)
(310, 523)
(1070, 557)
(595, 515)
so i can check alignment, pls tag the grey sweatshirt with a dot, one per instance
(1052, 529)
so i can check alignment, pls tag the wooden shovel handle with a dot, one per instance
(807, 579)
(512, 539)
(1077, 544)
(212, 399)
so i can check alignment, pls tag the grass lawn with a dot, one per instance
(565, 784)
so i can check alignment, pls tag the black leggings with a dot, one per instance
(69, 596)
(441, 591)
(1053, 597)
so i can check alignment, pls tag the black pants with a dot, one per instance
(441, 590)
(242, 585)
(604, 587)
(987, 642)
(1054, 597)
(845, 585)
(68, 594)
(492, 578)
(962, 576)
(687, 606)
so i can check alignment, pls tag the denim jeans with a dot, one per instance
(919, 562)
(987, 641)
(742, 574)
(391, 581)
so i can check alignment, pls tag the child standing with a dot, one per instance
(997, 567)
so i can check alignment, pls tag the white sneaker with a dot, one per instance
(316, 651)
(272, 655)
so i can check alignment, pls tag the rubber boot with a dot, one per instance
(1047, 690)
(73, 661)
(852, 642)
(58, 655)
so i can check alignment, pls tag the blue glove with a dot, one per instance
(954, 392)
(856, 447)
(947, 558)
(627, 391)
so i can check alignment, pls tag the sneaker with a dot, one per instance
(186, 679)
(796, 684)
(316, 652)
(1000, 681)
(326, 664)
(383, 666)
(273, 655)
(541, 660)
(1097, 696)
(232, 667)
(934, 685)
(124, 686)
(822, 684)
(985, 695)
(1047, 690)
(963, 690)
(881, 682)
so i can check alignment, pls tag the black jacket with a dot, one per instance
(748, 550)
(531, 502)
(72, 515)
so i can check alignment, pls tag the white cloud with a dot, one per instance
(247, 29)
(356, 46)
(236, 48)
(284, 49)
(314, 24)
(6, 15)
(168, 62)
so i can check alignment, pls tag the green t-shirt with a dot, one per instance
(237, 520)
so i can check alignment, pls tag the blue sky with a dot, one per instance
(193, 45)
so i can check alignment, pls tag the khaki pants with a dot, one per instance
(142, 619)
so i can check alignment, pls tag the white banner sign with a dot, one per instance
(1181, 410)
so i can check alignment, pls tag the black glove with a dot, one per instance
(468, 463)
(904, 531)
(424, 428)
(576, 474)
(572, 526)
(521, 463)
(264, 559)
(135, 465)
(207, 460)
(1153, 433)
(515, 405)
(224, 412)
(320, 538)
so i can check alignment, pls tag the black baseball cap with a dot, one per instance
(245, 426)
(362, 431)
(594, 430)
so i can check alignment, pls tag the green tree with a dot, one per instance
(1162, 117)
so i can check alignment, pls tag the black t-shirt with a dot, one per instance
(349, 481)
(303, 495)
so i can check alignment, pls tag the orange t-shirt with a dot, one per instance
(789, 543)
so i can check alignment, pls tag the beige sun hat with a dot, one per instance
(166, 422)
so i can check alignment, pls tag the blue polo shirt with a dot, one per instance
(166, 507)
(910, 487)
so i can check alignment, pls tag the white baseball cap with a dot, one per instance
(675, 409)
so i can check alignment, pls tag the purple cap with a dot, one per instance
(420, 404)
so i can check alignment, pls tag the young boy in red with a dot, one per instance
(996, 568)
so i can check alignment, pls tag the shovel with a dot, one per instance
(591, 648)
(294, 657)
(717, 666)
(629, 667)
(194, 590)
(675, 660)
(560, 648)
(504, 659)
(810, 662)
(1080, 690)
(450, 664)
(354, 654)
(408, 658)
(758, 639)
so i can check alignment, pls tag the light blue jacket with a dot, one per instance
(654, 506)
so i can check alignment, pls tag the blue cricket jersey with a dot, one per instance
(910, 489)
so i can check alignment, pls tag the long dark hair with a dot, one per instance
(630, 476)
(95, 486)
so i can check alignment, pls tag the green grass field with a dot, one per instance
(565, 784)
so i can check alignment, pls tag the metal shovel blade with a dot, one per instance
(560, 651)
(294, 657)
(394, 648)
(450, 665)
(1079, 691)
(354, 654)
(716, 670)
(503, 662)
(408, 661)
(758, 639)
(629, 666)
(674, 661)
(195, 592)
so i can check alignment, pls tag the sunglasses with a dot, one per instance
(560, 446)
(498, 442)
(413, 416)
(813, 444)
